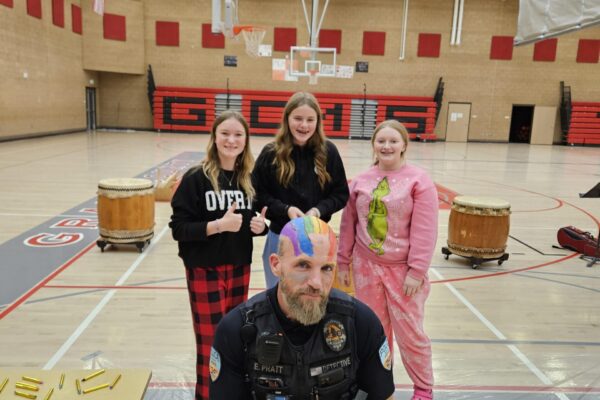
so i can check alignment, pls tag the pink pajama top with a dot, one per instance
(391, 219)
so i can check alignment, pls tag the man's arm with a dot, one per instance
(374, 375)
(227, 361)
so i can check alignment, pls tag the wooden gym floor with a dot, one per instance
(528, 329)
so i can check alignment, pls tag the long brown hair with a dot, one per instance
(395, 125)
(284, 143)
(211, 165)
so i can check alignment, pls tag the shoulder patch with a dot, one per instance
(214, 366)
(335, 334)
(385, 356)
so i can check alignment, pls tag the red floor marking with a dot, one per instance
(531, 389)
(457, 388)
(41, 284)
(113, 287)
(507, 272)
(559, 205)
(586, 213)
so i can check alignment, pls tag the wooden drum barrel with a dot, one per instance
(478, 227)
(126, 210)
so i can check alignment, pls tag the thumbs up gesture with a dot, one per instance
(231, 222)
(257, 223)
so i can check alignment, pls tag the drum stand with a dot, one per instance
(475, 261)
(596, 257)
(141, 245)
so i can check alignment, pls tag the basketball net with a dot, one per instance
(312, 75)
(312, 78)
(253, 37)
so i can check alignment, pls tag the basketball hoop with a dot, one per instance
(253, 36)
(312, 77)
(313, 68)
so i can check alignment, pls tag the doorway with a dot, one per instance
(457, 126)
(521, 122)
(90, 108)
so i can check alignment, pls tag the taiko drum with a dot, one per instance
(478, 226)
(126, 210)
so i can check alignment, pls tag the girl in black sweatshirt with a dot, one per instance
(300, 173)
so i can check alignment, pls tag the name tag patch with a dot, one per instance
(270, 369)
(321, 369)
(214, 366)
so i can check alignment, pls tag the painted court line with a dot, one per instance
(10, 307)
(530, 365)
(92, 315)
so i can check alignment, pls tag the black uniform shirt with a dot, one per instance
(372, 377)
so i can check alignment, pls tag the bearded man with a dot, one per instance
(301, 339)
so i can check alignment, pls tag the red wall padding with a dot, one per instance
(373, 43)
(212, 40)
(331, 38)
(429, 45)
(194, 110)
(284, 38)
(501, 48)
(167, 33)
(58, 13)
(545, 50)
(7, 3)
(585, 123)
(588, 51)
(34, 8)
(114, 27)
(76, 19)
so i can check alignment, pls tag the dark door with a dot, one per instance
(90, 108)
(520, 124)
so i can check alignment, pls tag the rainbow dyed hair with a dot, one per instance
(298, 231)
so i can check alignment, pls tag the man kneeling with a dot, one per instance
(301, 339)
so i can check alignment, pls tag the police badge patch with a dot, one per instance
(335, 335)
(385, 355)
(214, 366)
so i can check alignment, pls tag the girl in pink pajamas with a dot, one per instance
(388, 233)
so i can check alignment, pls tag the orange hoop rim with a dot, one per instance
(237, 29)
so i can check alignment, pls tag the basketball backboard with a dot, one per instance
(313, 62)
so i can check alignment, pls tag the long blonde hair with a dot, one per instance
(211, 165)
(284, 143)
(395, 125)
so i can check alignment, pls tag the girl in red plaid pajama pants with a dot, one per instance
(213, 222)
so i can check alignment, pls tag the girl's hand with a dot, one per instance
(294, 212)
(257, 223)
(411, 286)
(230, 222)
(314, 212)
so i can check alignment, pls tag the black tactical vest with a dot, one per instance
(324, 368)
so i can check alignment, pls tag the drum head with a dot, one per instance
(481, 202)
(125, 184)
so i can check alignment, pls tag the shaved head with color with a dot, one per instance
(305, 265)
